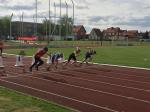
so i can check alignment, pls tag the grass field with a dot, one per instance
(137, 56)
(84, 43)
(11, 101)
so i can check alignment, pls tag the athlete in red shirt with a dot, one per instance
(38, 61)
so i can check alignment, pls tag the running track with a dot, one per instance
(93, 88)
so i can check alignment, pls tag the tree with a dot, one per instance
(146, 35)
(66, 25)
(4, 26)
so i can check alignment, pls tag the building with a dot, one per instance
(79, 32)
(24, 28)
(118, 34)
(131, 34)
(95, 34)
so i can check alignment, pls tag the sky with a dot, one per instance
(126, 14)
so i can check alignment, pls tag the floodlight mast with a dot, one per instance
(22, 25)
(36, 17)
(46, 26)
(49, 21)
(11, 25)
(66, 19)
(60, 21)
(73, 17)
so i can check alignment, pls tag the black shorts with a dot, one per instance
(87, 56)
(72, 57)
(55, 58)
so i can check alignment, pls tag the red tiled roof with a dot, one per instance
(77, 28)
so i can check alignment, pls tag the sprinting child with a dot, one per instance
(73, 56)
(55, 58)
(38, 61)
(88, 56)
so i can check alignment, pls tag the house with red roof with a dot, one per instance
(119, 34)
(79, 32)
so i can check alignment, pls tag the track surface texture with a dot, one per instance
(86, 88)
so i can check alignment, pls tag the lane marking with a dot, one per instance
(84, 79)
(130, 98)
(74, 110)
(65, 97)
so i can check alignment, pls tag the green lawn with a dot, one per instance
(11, 101)
(137, 56)
(83, 43)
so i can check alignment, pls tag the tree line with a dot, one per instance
(47, 27)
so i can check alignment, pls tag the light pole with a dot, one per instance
(60, 21)
(46, 26)
(10, 26)
(34, 25)
(22, 25)
(49, 22)
(66, 19)
(73, 18)
(54, 19)
(36, 17)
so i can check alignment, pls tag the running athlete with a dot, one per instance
(55, 58)
(73, 56)
(38, 61)
(88, 56)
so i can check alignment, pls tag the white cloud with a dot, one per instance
(132, 14)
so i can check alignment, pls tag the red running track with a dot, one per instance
(92, 88)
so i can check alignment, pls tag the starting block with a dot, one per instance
(49, 61)
(33, 60)
(2, 67)
(19, 62)
(61, 60)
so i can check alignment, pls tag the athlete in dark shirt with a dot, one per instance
(88, 56)
(38, 61)
(55, 57)
(73, 56)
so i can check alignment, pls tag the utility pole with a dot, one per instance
(73, 18)
(46, 26)
(49, 22)
(10, 26)
(22, 34)
(36, 17)
(60, 22)
(54, 19)
(66, 19)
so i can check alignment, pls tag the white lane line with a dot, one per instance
(11, 76)
(116, 78)
(100, 71)
(108, 93)
(119, 78)
(100, 82)
(92, 81)
(65, 97)
(140, 68)
(25, 94)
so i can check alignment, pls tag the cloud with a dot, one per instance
(63, 5)
(90, 13)
(4, 1)
(18, 6)
(82, 7)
